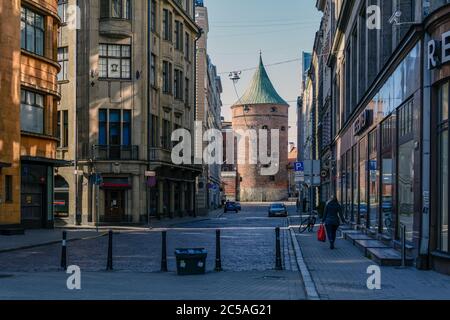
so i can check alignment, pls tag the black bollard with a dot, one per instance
(278, 264)
(109, 263)
(218, 255)
(64, 251)
(164, 252)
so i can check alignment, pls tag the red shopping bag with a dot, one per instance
(321, 234)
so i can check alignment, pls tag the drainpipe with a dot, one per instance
(149, 109)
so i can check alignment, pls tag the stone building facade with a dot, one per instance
(208, 112)
(261, 108)
(29, 69)
(134, 80)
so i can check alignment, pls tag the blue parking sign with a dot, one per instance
(299, 166)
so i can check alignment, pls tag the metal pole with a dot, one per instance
(64, 251)
(109, 264)
(218, 255)
(164, 252)
(278, 264)
(403, 231)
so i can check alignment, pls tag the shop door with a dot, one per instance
(115, 205)
(33, 195)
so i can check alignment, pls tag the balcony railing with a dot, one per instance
(113, 152)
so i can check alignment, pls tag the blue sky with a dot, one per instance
(239, 29)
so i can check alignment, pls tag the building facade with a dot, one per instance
(229, 175)
(261, 108)
(208, 112)
(134, 80)
(27, 133)
(388, 138)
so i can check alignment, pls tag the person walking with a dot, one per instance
(332, 218)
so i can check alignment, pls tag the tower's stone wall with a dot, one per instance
(254, 186)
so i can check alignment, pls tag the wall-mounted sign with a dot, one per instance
(363, 122)
(439, 51)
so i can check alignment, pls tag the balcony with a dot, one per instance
(112, 152)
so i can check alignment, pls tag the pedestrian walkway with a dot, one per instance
(342, 273)
(251, 285)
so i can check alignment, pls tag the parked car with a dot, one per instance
(278, 210)
(230, 206)
(238, 206)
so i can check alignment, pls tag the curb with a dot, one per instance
(310, 287)
(50, 243)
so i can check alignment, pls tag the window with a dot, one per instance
(32, 112)
(62, 9)
(65, 128)
(167, 133)
(178, 84)
(32, 31)
(115, 61)
(155, 132)
(118, 9)
(167, 77)
(8, 189)
(187, 92)
(167, 24)
(179, 35)
(114, 127)
(58, 128)
(153, 16)
(63, 60)
(187, 45)
(153, 70)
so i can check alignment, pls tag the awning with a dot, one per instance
(48, 161)
(5, 165)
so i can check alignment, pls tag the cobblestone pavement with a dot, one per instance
(248, 285)
(342, 274)
(247, 240)
(248, 260)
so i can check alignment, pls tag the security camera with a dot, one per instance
(395, 18)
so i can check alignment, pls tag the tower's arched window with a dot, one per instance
(273, 109)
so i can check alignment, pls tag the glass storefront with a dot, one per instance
(373, 182)
(443, 163)
(388, 128)
(406, 170)
(362, 218)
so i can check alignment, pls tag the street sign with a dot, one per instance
(299, 167)
(150, 173)
(299, 176)
(312, 172)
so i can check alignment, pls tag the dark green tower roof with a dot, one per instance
(261, 90)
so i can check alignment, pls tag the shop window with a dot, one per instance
(373, 182)
(363, 182)
(442, 165)
(388, 173)
(406, 170)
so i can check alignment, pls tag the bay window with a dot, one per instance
(32, 112)
(32, 31)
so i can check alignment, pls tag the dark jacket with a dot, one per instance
(332, 213)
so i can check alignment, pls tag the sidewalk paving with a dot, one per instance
(342, 273)
(41, 237)
(251, 285)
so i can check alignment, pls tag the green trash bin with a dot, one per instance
(191, 261)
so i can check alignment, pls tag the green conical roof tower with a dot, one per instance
(261, 90)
